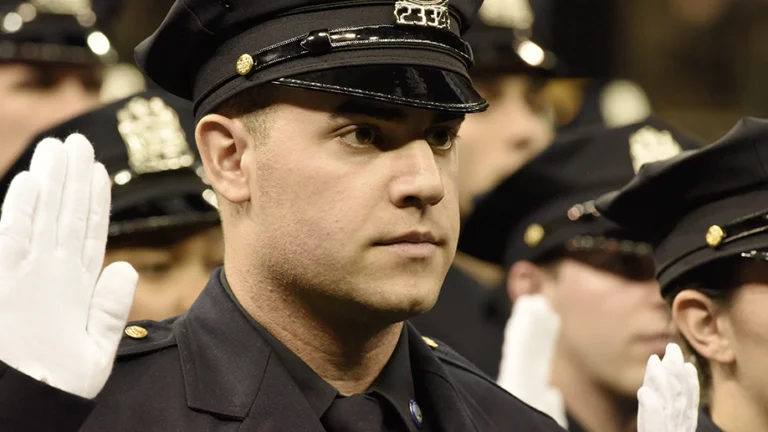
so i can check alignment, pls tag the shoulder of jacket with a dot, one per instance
(144, 337)
(454, 360)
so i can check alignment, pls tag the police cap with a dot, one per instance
(501, 45)
(146, 143)
(407, 52)
(550, 201)
(700, 206)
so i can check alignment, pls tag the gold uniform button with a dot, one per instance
(245, 64)
(534, 234)
(136, 332)
(430, 343)
(715, 236)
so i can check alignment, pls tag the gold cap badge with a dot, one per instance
(534, 234)
(423, 13)
(651, 145)
(153, 136)
(715, 236)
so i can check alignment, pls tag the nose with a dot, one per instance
(418, 182)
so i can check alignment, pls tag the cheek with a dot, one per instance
(750, 326)
(595, 308)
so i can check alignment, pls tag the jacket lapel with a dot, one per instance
(441, 401)
(231, 372)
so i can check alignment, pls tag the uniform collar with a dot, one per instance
(232, 371)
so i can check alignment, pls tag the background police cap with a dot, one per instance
(407, 52)
(146, 142)
(61, 31)
(499, 42)
(702, 205)
(549, 201)
(583, 34)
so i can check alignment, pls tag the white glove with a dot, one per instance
(61, 322)
(669, 397)
(530, 339)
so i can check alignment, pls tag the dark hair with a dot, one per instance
(250, 107)
(718, 281)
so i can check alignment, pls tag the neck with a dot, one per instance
(348, 355)
(592, 405)
(732, 409)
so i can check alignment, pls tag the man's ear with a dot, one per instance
(222, 143)
(524, 278)
(703, 325)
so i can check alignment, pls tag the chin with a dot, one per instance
(401, 301)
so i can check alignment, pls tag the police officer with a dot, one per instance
(510, 72)
(164, 221)
(326, 130)
(541, 225)
(704, 212)
(52, 56)
(591, 91)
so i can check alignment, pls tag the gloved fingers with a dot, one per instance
(73, 217)
(111, 302)
(694, 390)
(651, 412)
(529, 343)
(97, 228)
(17, 217)
(48, 166)
(673, 355)
(654, 378)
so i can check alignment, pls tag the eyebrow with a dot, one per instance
(355, 107)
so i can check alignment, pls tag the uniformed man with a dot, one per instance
(51, 60)
(327, 131)
(705, 214)
(541, 224)
(510, 72)
(164, 221)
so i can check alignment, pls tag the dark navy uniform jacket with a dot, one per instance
(212, 370)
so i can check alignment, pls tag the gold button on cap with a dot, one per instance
(245, 64)
(430, 343)
(715, 236)
(534, 234)
(136, 332)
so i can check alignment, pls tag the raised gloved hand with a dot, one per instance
(61, 320)
(530, 339)
(669, 397)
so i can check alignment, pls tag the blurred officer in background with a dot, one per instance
(705, 214)
(586, 36)
(510, 72)
(598, 280)
(164, 221)
(52, 56)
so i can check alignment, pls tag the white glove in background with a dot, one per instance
(62, 321)
(530, 339)
(669, 397)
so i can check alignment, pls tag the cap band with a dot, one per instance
(320, 42)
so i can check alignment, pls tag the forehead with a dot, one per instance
(336, 106)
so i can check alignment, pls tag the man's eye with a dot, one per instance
(443, 138)
(363, 136)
